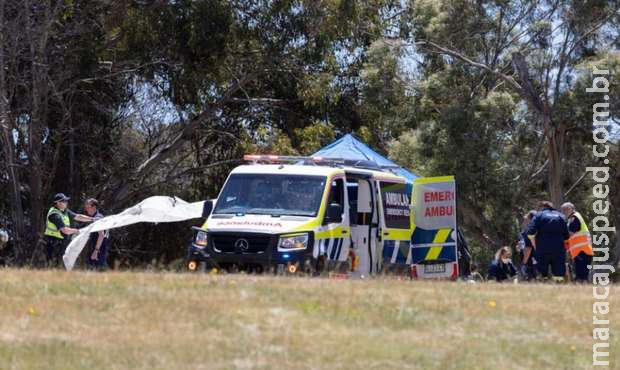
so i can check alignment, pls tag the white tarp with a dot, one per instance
(154, 209)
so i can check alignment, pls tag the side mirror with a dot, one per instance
(334, 213)
(207, 208)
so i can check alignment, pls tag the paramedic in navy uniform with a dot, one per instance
(550, 228)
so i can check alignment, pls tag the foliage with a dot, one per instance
(126, 99)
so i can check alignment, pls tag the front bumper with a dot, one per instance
(227, 248)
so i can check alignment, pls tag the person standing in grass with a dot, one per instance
(58, 229)
(97, 245)
(550, 231)
(527, 247)
(579, 243)
(501, 267)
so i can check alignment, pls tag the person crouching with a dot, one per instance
(501, 267)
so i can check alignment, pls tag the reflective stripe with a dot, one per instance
(442, 235)
(433, 253)
(581, 240)
(432, 180)
(394, 253)
(397, 234)
(579, 245)
(336, 232)
(338, 249)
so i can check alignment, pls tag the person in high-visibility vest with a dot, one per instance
(58, 229)
(579, 245)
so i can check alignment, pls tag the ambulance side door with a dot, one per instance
(334, 236)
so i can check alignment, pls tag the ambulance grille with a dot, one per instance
(230, 243)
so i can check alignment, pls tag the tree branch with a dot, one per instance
(173, 145)
(511, 81)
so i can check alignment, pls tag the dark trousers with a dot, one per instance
(557, 261)
(101, 262)
(54, 250)
(582, 261)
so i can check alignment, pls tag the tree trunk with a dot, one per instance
(7, 142)
(38, 162)
(556, 148)
(17, 211)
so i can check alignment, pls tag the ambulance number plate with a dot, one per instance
(434, 268)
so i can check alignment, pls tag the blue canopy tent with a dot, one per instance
(350, 148)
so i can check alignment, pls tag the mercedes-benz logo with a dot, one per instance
(242, 244)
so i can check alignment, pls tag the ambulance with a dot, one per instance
(308, 215)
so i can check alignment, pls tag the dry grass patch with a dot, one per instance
(119, 320)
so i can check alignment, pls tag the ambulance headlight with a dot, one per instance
(293, 242)
(201, 239)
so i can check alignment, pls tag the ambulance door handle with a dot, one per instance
(344, 231)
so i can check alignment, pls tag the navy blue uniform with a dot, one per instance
(102, 255)
(528, 267)
(551, 231)
(501, 271)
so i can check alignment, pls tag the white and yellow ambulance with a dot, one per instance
(307, 214)
(304, 214)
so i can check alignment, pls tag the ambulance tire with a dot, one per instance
(342, 267)
(307, 268)
(322, 265)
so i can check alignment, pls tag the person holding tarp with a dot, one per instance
(58, 229)
(97, 241)
(550, 230)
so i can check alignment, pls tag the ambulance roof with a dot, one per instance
(295, 169)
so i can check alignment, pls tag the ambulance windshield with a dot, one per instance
(269, 194)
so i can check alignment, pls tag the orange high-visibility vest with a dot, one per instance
(581, 240)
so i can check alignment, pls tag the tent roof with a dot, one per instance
(349, 147)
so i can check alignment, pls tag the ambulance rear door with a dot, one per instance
(395, 224)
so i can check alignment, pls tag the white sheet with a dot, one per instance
(154, 209)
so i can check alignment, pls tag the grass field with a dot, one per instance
(119, 320)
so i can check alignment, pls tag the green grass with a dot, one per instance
(119, 320)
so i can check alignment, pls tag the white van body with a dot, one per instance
(276, 217)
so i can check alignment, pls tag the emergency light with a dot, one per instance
(325, 161)
(284, 158)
